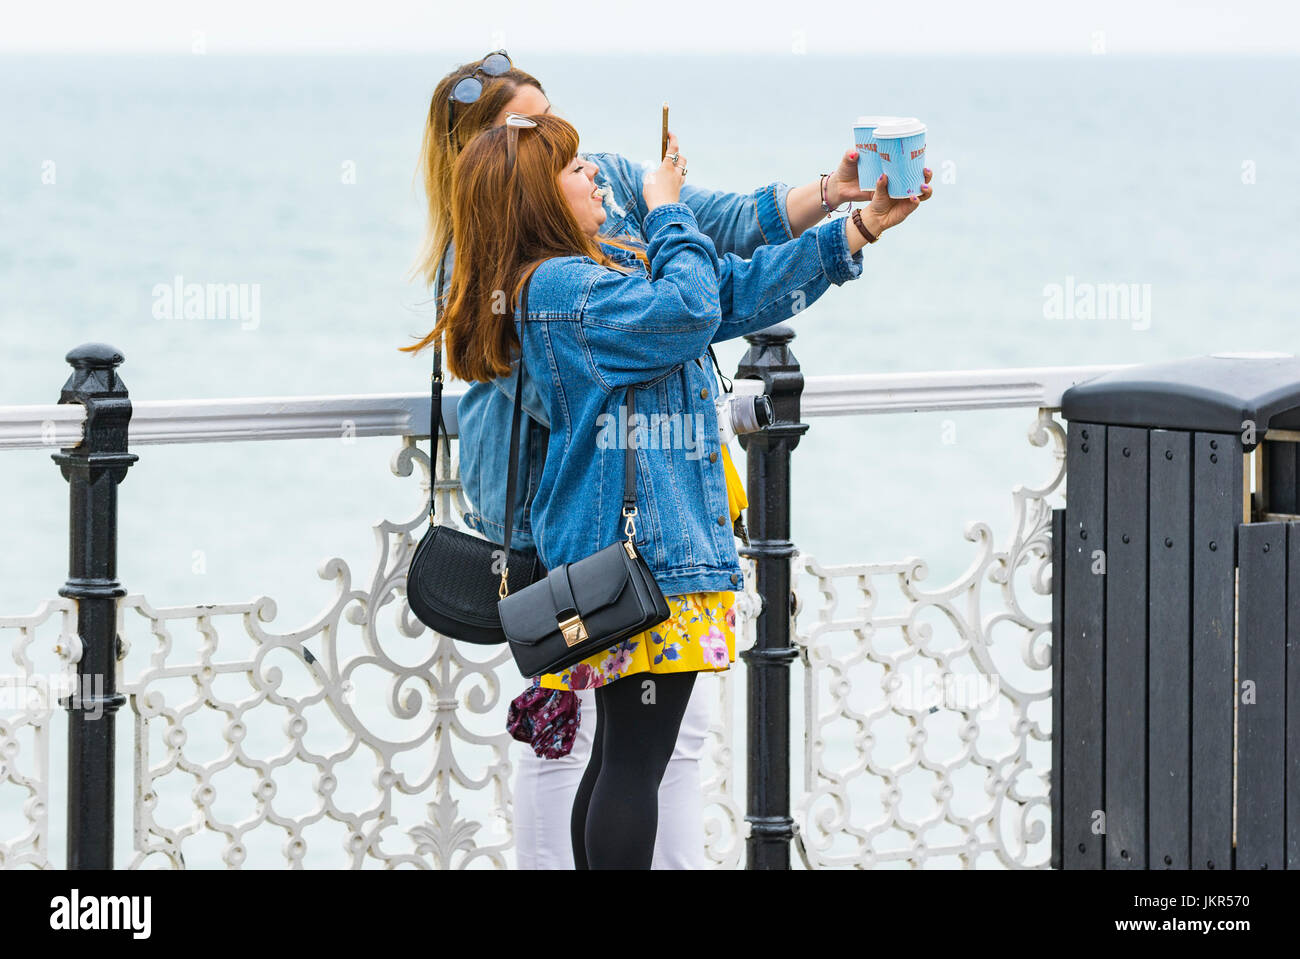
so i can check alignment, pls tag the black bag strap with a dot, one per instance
(629, 454)
(435, 402)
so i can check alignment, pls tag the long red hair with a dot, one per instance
(505, 225)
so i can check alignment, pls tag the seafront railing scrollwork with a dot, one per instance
(407, 709)
(363, 740)
(449, 706)
(944, 716)
(36, 675)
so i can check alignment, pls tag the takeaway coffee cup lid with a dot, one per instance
(876, 121)
(905, 127)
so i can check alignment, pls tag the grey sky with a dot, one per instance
(758, 26)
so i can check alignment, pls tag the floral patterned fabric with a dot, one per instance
(546, 719)
(699, 633)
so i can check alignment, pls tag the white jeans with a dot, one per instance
(544, 791)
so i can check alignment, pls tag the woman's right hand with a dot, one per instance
(664, 183)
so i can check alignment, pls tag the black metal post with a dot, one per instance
(768, 489)
(93, 469)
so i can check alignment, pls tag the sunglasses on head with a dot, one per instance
(470, 88)
(514, 123)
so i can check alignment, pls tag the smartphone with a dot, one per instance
(663, 139)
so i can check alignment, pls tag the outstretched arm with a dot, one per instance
(636, 326)
(736, 222)
(780, 281)
(803, 204)
(633, 326)
(740, 223)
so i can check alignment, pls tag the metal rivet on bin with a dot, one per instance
(1169, 454)
(1126, 451)
(1214, 444)
(1168, 541)
(1084, 447)
(1124, 537)
(1214, 457)
(1213, 545)
(1266, 547)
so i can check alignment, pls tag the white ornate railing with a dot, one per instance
(425, 730)
(30, 685)
(401, 738)
(966, 780)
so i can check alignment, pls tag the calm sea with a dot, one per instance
(1175, 175)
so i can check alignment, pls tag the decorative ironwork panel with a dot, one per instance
(364, 740)
(725, 827)
(211, 688)
(30, 690)
(325, 737)
(927, 733)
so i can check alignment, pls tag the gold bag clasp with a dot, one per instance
(573, 629)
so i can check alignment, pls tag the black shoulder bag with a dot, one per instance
(586, 606)
(449, 584)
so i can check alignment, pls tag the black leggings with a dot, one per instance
(616, 811)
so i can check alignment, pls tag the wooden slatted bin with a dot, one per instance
(1176, 618)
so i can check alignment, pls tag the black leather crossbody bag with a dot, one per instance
(586, 606)
(449, 583)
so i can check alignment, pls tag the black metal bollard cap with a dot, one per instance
(94, 373)
(95, 355)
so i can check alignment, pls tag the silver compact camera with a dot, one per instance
(742, 414)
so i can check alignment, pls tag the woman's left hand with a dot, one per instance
(842, 185)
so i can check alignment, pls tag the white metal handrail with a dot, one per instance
(399, 414)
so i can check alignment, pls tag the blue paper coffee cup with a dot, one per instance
(865, 144)
(900, 146)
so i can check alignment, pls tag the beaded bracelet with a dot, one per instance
(825, 205)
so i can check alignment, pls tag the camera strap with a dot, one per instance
(726, 383)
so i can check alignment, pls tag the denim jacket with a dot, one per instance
(592, 331)
(736, 223)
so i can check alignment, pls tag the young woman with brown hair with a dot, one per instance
(476, 96)
(604, 315)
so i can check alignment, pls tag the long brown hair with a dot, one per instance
(506, 224)
(438, 151)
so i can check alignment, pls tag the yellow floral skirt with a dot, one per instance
(698, 635)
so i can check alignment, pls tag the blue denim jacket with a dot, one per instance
(591, 331)
(736, 223)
